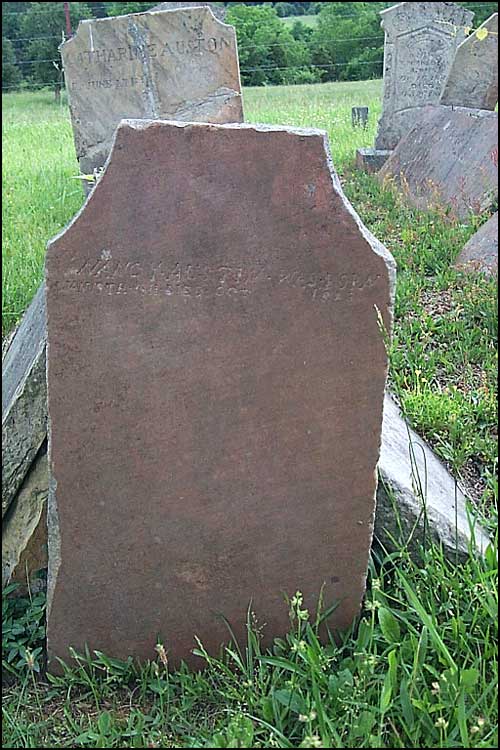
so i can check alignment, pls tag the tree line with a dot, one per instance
(341, 41)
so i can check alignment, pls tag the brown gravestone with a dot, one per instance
(216, 375)
(179, 65)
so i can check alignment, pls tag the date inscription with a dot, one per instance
(106, 276)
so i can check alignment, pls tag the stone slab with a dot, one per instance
(178, 64)
(216, 375)
(409, 473)
(371, 159)
(449, 161)
(24, 530)
(24, 398)
(481, 251)
(421, 39)
(417, 498)
(473, 78)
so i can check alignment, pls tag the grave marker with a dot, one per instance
(448, 161)
(421, 39)
(216, 378)
(473, 79)
(178, 64)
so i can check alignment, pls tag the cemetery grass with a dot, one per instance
(421, 669)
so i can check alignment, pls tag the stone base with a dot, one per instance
(371, 159)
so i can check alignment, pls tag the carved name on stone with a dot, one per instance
(216, 376)
(179, 65)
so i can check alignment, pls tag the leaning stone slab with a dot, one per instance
(179, 64)
(214, 352)
(473, 79)
(24, 399)
(481, 251)
(24, 530)
(417, 498)
(448, 160)
(421, 39)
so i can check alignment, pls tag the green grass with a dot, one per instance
(421, 668)
(306, 20)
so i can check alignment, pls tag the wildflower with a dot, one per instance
(441, 723)
(307, 717)
(160, 649)
(435, 688)
(481, 722)
(376, 584)
(30, 660)
(297, 600)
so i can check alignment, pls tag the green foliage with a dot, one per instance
(11, 75)
(122, 9)
(268, 51)
(482, 11)
(23, 631)
(47, 20)
(418, 670)
(348, 42)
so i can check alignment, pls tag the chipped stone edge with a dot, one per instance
(144, 124)
(85, 21)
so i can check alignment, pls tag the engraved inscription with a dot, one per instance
(129, 53)
(104, 275)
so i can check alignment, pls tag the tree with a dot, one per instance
(11, 75)
(44, 24)
(268, 52)
(348, 42)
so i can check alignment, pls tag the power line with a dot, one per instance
(308, 67)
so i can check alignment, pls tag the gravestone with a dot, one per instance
(473, 79)
(420, 43)
(210, 72)
(421, 39)
(178, 64)
(219, 11)
(449, 161)
(359, 117)
(481, 252)
(216, 375)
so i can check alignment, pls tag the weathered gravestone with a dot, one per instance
(219, 11)
(473, 79)
(420, 43)
(216, 376)
(481, 251)
(448, 161)
(359, 117)
(178, 64)
(210, 71)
